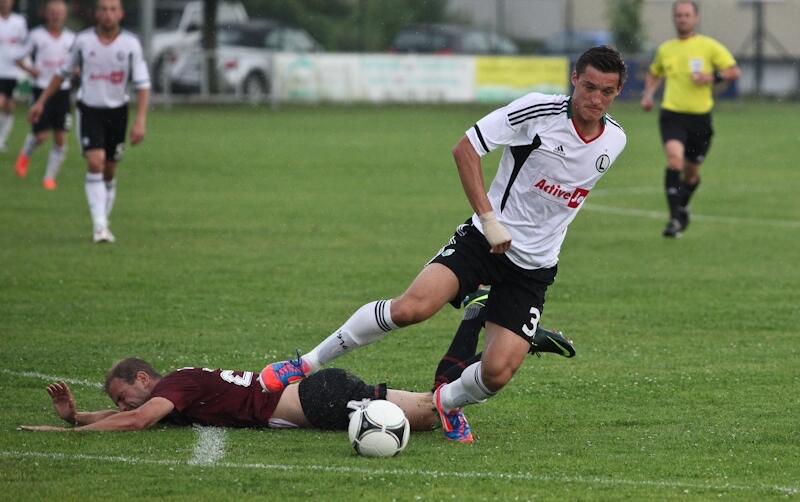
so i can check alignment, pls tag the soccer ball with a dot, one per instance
(379, 429)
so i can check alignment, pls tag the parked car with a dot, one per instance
(242, 57)
(178, 25)
(450, 39)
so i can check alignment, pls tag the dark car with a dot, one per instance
(450, 39)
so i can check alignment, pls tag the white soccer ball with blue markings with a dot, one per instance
(379, 429)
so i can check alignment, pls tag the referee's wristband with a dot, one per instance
(718, 77)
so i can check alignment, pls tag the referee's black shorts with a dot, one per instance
(103, 128)
(55, 115)
(694, 131)
(516, 299)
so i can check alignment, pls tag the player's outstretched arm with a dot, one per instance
(64, 405)
(147, 415)
(470, 172)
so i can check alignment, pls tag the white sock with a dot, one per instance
(96, 196)
(468, 389)
(111, 195)
(54, 161)
(30, 145)
(6, 123)
(368, 324)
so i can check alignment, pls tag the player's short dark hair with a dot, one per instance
(127, 369)
(690, 2)
(604, 58)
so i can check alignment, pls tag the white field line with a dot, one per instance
(518, 476)
(210, 446)
(662, 215)
(53, 378)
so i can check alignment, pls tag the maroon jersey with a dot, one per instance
(221, 398)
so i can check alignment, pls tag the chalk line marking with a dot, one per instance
(210, 446)
(519, 476)
(662, 215)
(53, 378)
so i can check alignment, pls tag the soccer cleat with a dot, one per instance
(683, 217)
(276, 376)
(545, 340)
(49, 184)
(674, 229)
(103, 234)
(21, 166)
(478, 297)
(454, 423)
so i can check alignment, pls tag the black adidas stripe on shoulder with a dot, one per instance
(539, 113)
(480, 138)
(533, 108)
(614, 122)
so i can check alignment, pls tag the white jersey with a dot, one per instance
(48, 54)
(546, 172)
(107, 68)
(13, 31)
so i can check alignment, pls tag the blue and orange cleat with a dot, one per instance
(276, 376)
(454, 423)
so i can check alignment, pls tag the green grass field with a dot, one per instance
(244, 233)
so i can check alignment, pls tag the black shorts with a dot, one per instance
(103, 128)
(7, 86)
(325, 394)
(516, 300)
(56, 111)
(694, 131)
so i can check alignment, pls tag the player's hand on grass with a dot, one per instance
(495, 233)
(41, 428)
(63, 401)
(137, 133)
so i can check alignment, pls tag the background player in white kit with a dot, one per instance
(48, 47)
(108, 57)
(13, 31)
(555, 149)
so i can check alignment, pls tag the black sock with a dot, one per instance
(672, 187)
(687, 191)
(462, 348)
(454, 372)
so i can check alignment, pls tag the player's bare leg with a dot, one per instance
(417, 407)
(431, 290)
(674, 151)
(289, 407)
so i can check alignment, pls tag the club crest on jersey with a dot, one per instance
(120, 56)
(563, 194)
(602, 163)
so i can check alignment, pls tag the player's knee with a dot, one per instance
(410, 310)
(497, 374)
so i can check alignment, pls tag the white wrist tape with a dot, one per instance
(493, 230)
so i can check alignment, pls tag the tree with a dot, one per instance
(625, 17)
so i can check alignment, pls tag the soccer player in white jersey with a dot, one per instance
(555, 149)
(108, 57)
(48, 47)
(13, 31)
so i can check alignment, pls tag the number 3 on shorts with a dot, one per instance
(530, 331)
